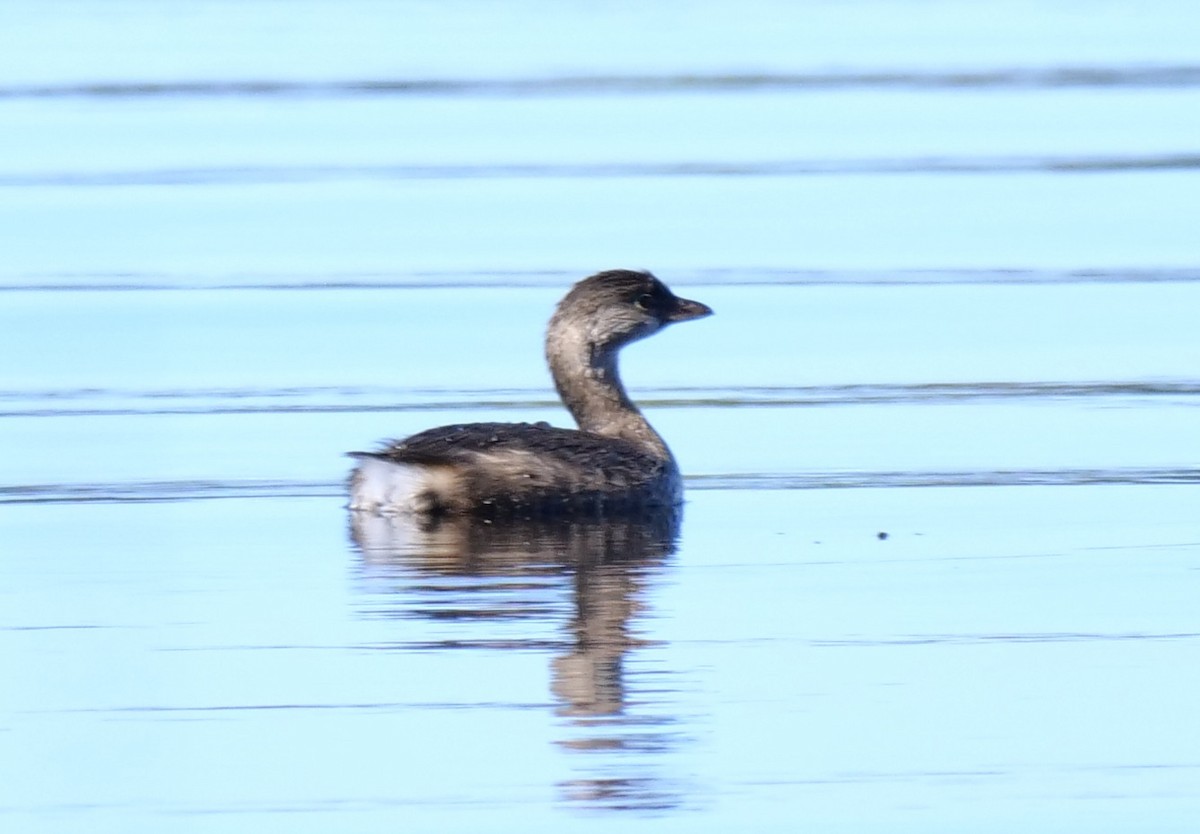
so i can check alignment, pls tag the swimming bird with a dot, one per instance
(614, 463)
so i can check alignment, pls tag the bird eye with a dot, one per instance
(643, 301)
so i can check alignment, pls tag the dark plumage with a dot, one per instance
(615, 462)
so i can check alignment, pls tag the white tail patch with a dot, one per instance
(390, 488)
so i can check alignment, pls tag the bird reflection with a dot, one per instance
(608, 563)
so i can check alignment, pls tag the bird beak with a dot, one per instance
(686, 309)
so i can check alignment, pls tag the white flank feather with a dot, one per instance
(388, 488)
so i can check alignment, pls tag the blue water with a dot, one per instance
(939, 559)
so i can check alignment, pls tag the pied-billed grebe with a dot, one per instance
(615, 462)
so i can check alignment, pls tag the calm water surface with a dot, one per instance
(939, 562)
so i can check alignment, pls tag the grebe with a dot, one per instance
(614, 463)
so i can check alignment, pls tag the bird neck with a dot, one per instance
(589, 384)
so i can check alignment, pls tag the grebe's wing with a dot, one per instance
(466, 443)
(524, 464)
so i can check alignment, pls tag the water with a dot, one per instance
(938, 564)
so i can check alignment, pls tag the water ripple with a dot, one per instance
(93, 402)
(744, 276)
(996, 477)
(193, 490)
(1070, 77)
(132, 492)
(293, 174)
(983, 639)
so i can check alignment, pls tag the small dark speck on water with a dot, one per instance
(881, 535)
